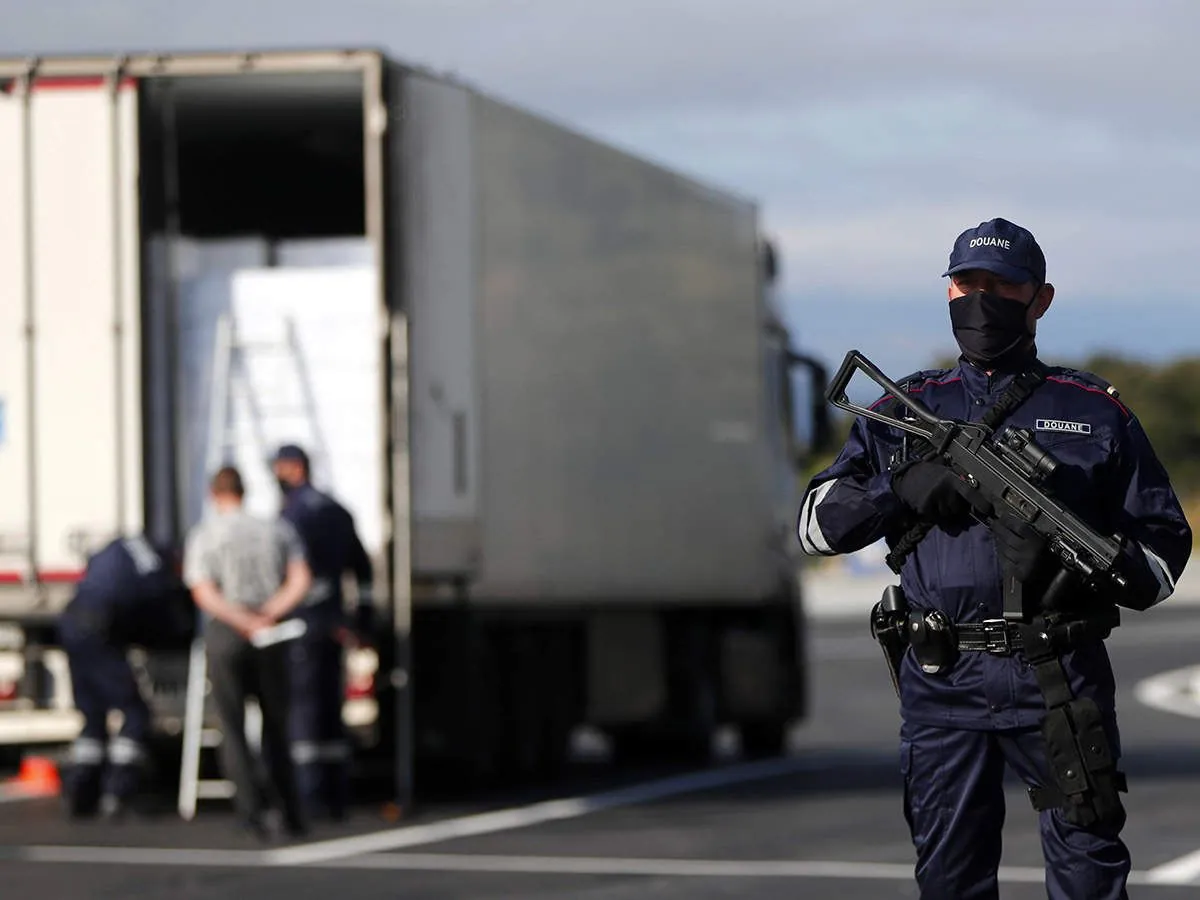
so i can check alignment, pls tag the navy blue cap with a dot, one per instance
(999, 246)
(291, 451)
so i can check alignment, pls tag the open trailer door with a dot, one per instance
(387, 181)
(271, 182)
(70, 441)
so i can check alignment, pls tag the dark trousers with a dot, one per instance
(320, 749)
(237, 670)
(954, 805)
(101, 680)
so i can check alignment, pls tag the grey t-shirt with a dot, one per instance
(245, 556)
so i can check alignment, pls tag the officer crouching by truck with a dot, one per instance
(131, 594)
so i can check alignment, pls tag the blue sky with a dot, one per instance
(871, 133)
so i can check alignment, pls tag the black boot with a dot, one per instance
(81, 791)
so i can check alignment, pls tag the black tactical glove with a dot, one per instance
(933, 492)
(1020, 548)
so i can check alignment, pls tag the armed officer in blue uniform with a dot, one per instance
(979, 686)
(320, 749)
(131, 593)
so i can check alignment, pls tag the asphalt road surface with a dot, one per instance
(825, 821)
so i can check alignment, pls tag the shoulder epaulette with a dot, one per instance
(919, 378)
(1089, 378)
(910, 382)
(1089, 381)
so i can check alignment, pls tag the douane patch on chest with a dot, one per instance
(1063, 425)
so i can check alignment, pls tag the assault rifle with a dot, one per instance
(1008, 472)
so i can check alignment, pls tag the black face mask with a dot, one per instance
(989, 329)
(285, 486)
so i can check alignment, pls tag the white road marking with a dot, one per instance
(537, 813)
(701, 868)
(11, 793)
(1172, 692)
(1184, 870)
(1170, 875)
(704, 868)
(134, 856)
(1176, 691)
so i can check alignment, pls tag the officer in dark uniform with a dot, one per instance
(970, 702)
(130, 594)
(320, 748)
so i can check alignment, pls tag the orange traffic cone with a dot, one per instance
(38, 776)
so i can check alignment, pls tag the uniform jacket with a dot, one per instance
(1108, 475)
(129, 592)
(331, 541)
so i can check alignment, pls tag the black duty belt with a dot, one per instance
(989, 636)
(1087, 784)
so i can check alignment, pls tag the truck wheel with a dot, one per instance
(10, 756)
(764, 738)
(640, 746)
(537, 683)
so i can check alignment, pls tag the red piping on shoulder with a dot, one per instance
(1093, 390)
(924, 384)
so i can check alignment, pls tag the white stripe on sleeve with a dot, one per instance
(812, 540)
(1166, 584)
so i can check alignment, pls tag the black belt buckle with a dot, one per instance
(996, 638)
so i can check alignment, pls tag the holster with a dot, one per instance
(933, 640)
(1078, 751)
(889, 618)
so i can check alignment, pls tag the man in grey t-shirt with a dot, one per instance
(246, 574)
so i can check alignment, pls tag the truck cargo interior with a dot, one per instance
(278, 155)
(252, 206)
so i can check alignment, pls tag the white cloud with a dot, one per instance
(871, 132)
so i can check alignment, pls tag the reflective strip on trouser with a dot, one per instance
(123, 751)
(308, 752)
(86, 752)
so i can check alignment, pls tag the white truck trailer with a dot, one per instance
(546, 376)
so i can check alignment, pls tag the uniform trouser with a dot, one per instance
(319, 746)
(238, 670)
(102, 680)
(954, 805)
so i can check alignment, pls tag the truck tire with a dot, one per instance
(636, 746)
(764, 738)
(537, 683)
(683, 735)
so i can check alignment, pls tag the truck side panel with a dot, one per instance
(439, 234)
(86, 481)
(620, 329)
(14, 383)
